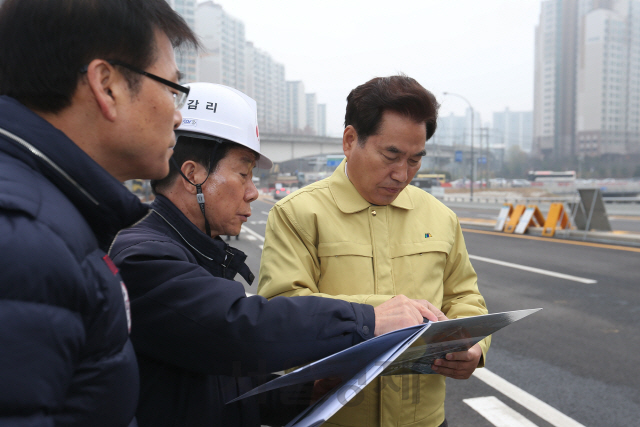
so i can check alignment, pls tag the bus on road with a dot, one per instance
(551, 176)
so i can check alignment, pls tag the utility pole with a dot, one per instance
(472, 159)
(484, 134)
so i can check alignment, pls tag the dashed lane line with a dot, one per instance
(253, 233)
(532, 403)
(534, 270)
(497, 413)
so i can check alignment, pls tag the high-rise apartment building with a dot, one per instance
(608, 94)
(513, 128)
(555, 78)
(587, 86)
(312, 114)
(451, 130)
(456, 130)
(228, 58)
(186, 59)
(296, 107)
(223, 38)
(266, 84)
(322, 120)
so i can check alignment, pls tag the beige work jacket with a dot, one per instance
(327, 240)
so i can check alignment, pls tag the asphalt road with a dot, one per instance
(574, 363)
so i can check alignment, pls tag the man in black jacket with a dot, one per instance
(196, 333)
(76, 120)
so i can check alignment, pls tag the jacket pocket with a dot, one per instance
(346, 268)
(418, 269)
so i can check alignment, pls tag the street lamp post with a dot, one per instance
(472, 114)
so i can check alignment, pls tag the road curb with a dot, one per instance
(588, 236)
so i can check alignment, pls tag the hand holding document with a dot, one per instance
(404, 351)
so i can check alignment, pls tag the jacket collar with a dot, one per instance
(105, 203)
(349, 200)
(202, 246)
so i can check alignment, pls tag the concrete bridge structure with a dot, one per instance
(284, 147)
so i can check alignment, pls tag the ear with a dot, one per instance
(195, 173)
(349, 140)
(105, 84)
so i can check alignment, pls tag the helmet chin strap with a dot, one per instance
(199, 194)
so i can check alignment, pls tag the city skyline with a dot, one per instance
(481, 50)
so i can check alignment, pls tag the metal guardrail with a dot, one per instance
(529, 200)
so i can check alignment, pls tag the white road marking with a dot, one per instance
(261, 247)
(264, 213)
(249, 294)
(532, 403)
(250, 237)
(534, 270)
(497, 413)
(253, 233)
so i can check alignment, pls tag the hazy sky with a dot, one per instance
(480, 49)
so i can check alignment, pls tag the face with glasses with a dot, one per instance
(150, 115)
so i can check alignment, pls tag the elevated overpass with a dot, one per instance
(281, 147)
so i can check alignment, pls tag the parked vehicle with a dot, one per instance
(282, 192)
(520, 183)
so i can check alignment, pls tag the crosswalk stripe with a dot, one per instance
(497, 413)
(532, 403)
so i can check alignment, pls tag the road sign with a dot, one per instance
(458, 157)
(482, 160)
(334, 161)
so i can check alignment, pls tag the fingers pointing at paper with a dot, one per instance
(401, 312)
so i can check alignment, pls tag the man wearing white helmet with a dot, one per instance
(195, 332)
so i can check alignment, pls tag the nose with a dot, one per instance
(177, 119)
(251, 194)
(400, 172)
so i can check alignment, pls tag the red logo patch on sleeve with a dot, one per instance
(110, 264)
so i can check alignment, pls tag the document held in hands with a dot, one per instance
(405, 351)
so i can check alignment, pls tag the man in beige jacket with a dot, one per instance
(365, 235)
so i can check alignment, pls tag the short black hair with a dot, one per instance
(45, 43)
(206, 152)
(367, 103)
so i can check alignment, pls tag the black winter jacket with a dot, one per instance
(195, 333)
(65, 354)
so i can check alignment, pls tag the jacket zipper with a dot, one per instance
(48, 161)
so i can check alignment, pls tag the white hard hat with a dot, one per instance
(218, 111)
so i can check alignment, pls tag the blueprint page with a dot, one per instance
(450, 336)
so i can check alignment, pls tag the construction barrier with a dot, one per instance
(505, 213)
(517, 220)
(530, 218)
(557, 215)
(514, 219)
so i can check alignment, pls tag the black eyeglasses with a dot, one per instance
(179, 99)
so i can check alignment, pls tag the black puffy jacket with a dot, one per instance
(65, 354)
